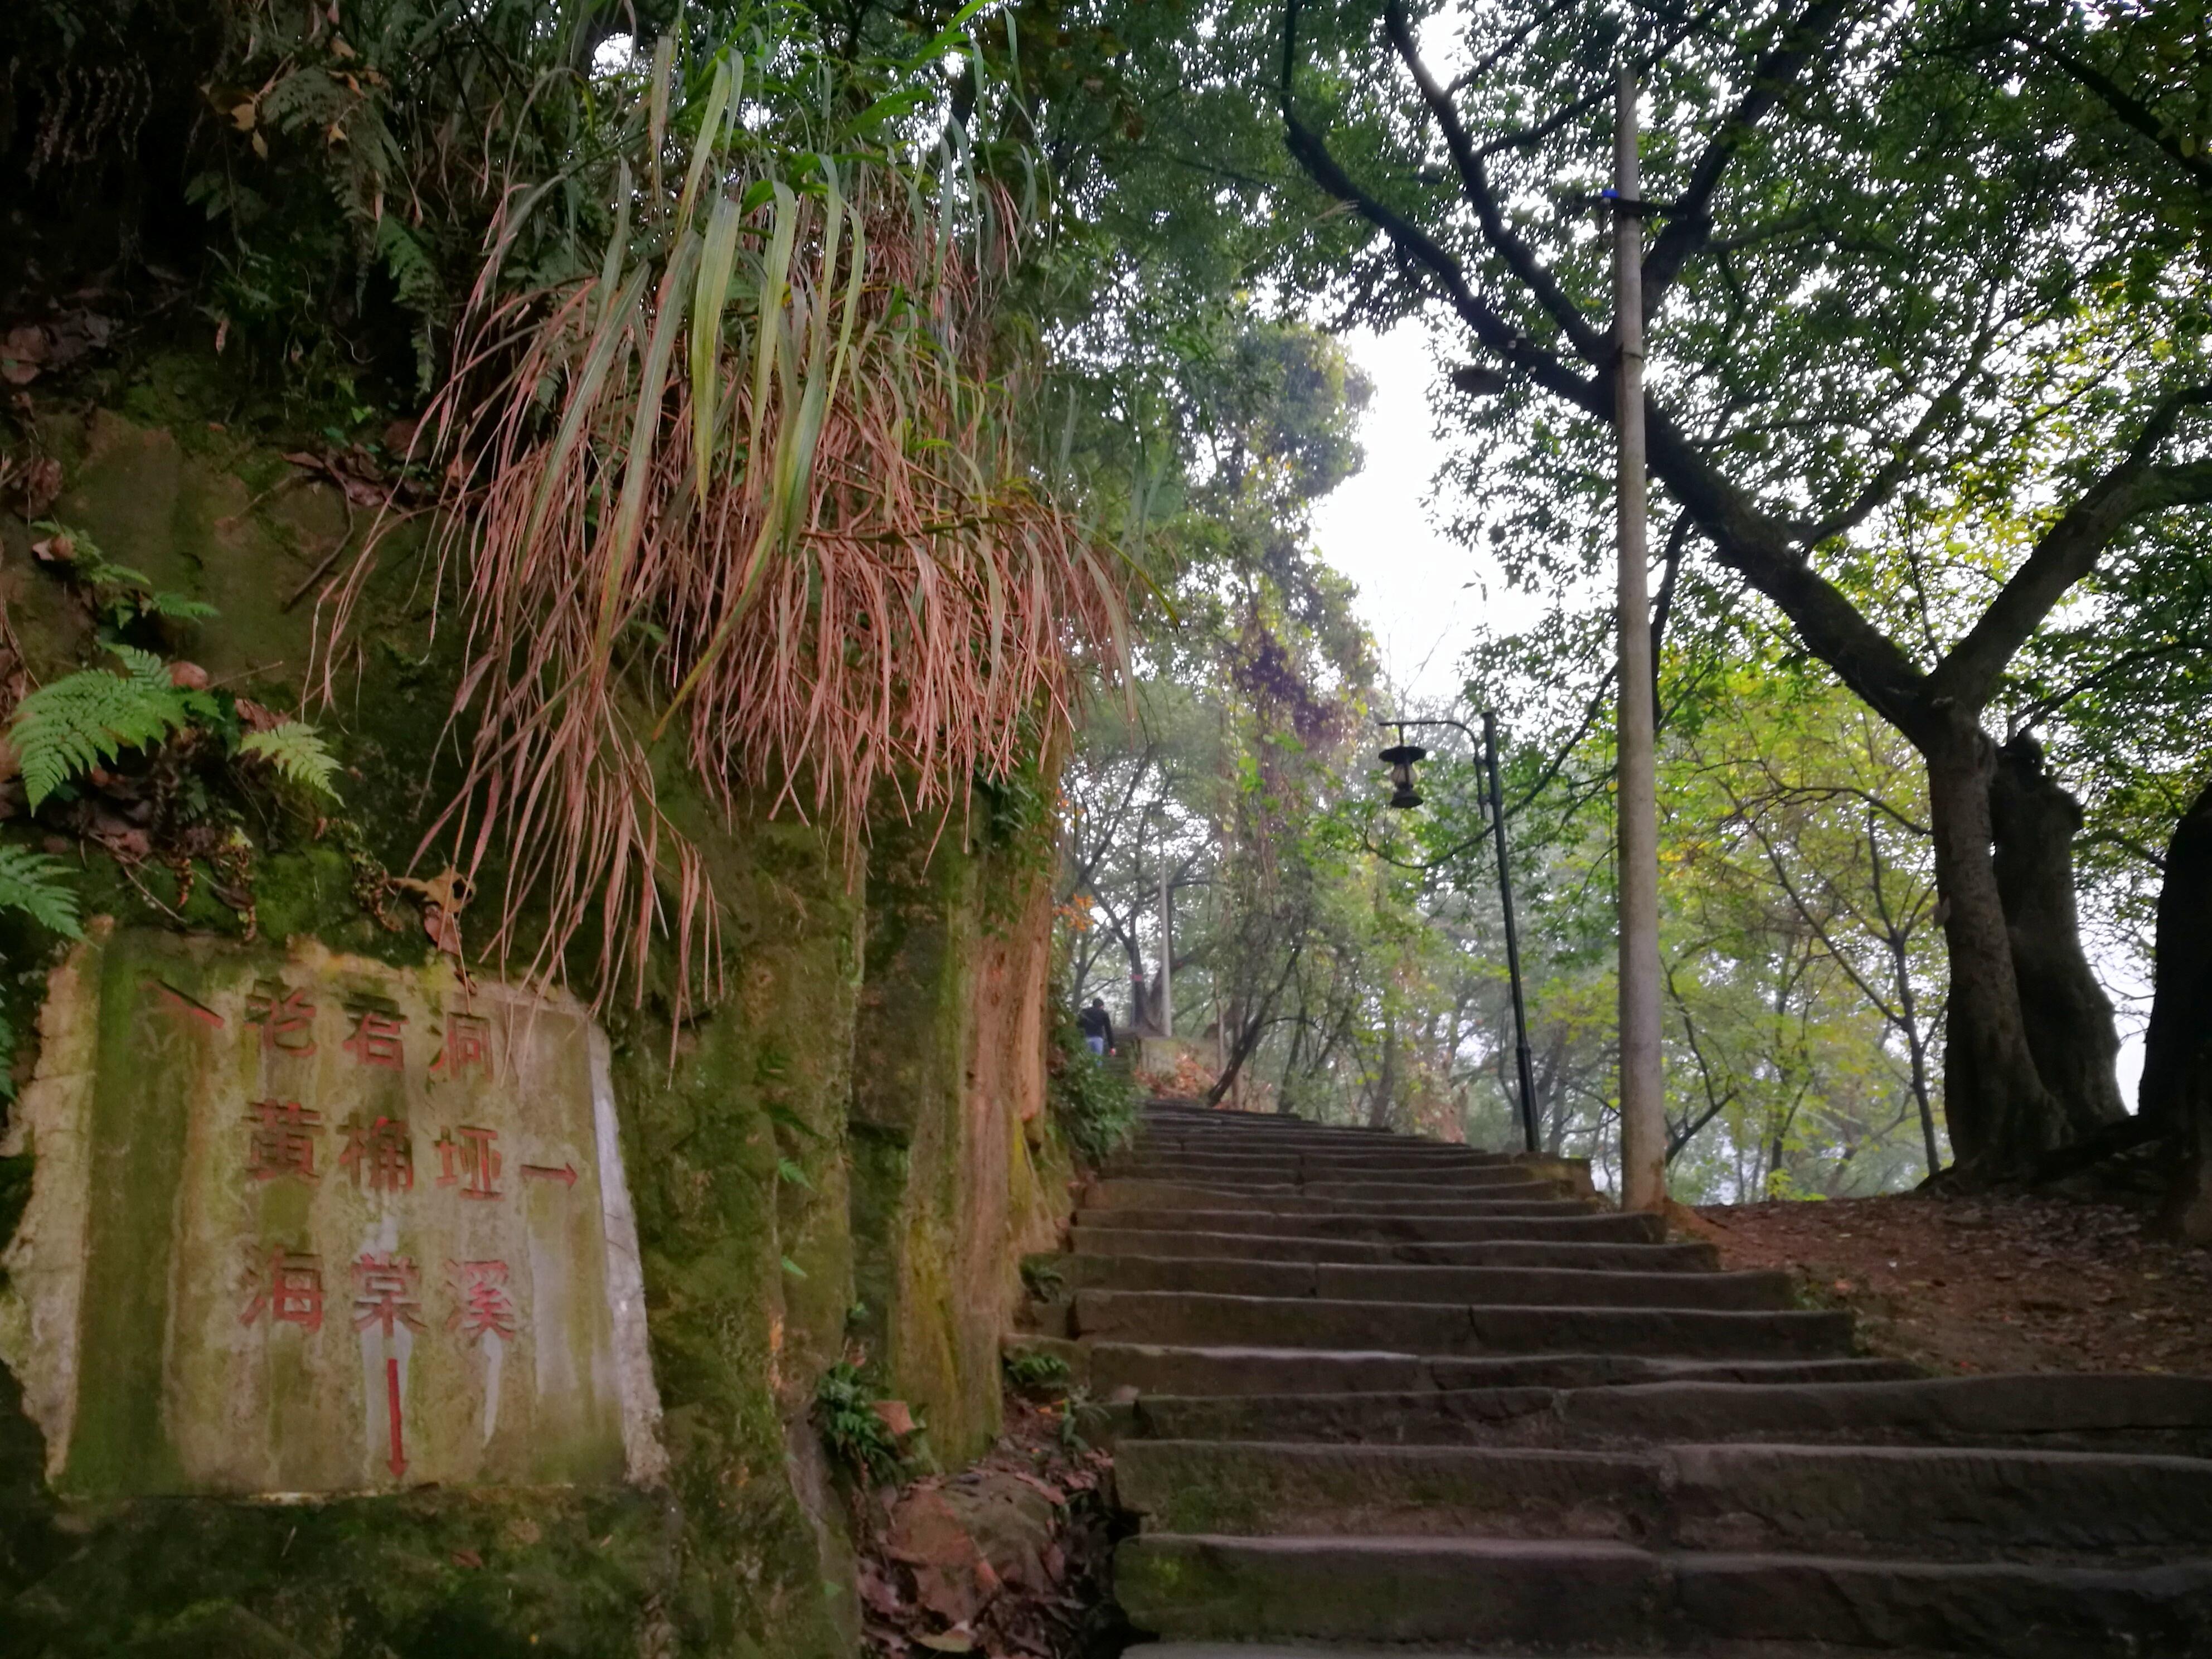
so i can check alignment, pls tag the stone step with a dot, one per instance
(1176, 1317)
(1239, 1153)
(1257, 1487)
(1245, 1130)
(1294, 1135)
(1255, 1393)
(1563, 1287)
(1202, 1586)
(1323, 1197)
(1557, 1222)
(1608, 1401)
(1687, 1258)
(1414, 1156)
(1955, 1502)
(1604, 1595)
(1461, 1180)
(1534, 1199)
(2084, 1411)
(1341, 1650)
(1296, 1171)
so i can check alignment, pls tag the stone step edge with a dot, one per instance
(1338, 1650)
(1627, 1595)
(1070, 1349)
(1256, 1245)
(1472, 1309)
(1695, 1275)
(1656, 1457)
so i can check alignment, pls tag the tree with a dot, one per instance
(2177, 1080)
(1885, 320)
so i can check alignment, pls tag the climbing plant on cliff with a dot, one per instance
(751, 493)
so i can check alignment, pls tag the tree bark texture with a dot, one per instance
(2001, 1116)
(2177, 1077)
(2034, 822)
(1383, 1110)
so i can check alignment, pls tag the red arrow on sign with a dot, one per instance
(398, 1461)
(566, 1175)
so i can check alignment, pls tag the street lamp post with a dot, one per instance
(1400, 758)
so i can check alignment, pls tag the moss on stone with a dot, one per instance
(751, 1146)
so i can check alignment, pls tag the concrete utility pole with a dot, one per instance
(1167, 940)
(1643, 1113)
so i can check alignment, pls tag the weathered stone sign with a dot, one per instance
(306, 1222)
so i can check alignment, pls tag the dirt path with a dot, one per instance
(2012, 1283)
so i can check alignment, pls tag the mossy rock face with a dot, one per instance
(535, 1573)
(954, 1175)
(773, 1184)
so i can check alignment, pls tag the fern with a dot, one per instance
(71, 727)
(414, 273)
(178, 607)
(298, 753)
(28, 883)
(122, 594)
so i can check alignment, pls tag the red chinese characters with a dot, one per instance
(384, 1292)
(472, 1162)
(375, 1039)
(379, 1152)
(468, 1045)
(176, 1002)
(294, 1294)
(281, 1140)
(480, 1288)
(286, 1017)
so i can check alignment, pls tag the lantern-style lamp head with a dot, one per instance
(1399, 758)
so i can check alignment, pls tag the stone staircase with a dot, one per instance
(1374, 1390)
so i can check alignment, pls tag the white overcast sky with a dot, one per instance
(1422, 596)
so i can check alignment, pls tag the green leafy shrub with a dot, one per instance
(858, 1440)
(1034, 1372)
(1095, 1104)
(1081, 1418)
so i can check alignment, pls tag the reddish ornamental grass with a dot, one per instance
(752, 497)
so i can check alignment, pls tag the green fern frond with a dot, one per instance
(7, 1057)
(414, 273)
(298, 753)
(71, 727)
(178, 607)
(28, 883)
(145, 669)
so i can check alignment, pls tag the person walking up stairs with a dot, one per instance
(1374, 1389)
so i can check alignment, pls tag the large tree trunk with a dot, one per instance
(2001, 1116)
(2177, 1076)
(1383, 1113)
(2069, 1020)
